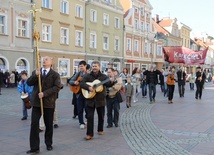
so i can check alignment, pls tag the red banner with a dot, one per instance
(179, 54)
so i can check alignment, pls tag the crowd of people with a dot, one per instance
(96, 90)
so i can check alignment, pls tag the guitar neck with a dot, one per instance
(103, 82)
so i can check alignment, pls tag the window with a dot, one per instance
(142, 26)
(93, 16)
(79, 11)
(79, 38)
(47, 4)
(65, 6)
(2, 25)
(22, 28)
(117, 22)
(146, 48)
(142, 11)
(93, 40)
(108, 1)
(147, 15)
(136, 10)
(116, 44)
(129, 45)
(46, 32)
(105, 42)
(64, 36)
(105, 19)
(159, 50)
(136, 46)
(151, 49)
(147, 27)
(136, 24)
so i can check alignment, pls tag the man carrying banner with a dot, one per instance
(181, 77)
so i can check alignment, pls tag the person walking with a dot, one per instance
(50, 87)
(24, 89)
(112, 100)
(143, 84)
(181, 78)
(129, 88)
(200, 78)
(165, 74)
(136, 80)
(191, 81)
(75, 81)
(1, 79)
(170, 81)
(97, 102)
(152, 81)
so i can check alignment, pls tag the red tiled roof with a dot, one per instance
(126, 13)
(159, 28)
(165, 22)
(143, 1)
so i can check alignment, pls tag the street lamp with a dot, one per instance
(150, 36)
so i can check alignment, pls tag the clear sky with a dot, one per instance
(197, 14)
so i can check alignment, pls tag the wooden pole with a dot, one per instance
(36, 37)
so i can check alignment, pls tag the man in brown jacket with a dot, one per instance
(98, 102)
(50, 87)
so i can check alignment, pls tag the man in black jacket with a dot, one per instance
(98, 101)
(1, 79)
(152, 81)
(181, 77)
(50, 87)
(199, 81)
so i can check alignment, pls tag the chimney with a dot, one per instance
(157, 18)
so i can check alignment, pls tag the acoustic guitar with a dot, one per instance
(98, 87)
(76, 88)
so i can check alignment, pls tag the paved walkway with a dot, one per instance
(182, 128)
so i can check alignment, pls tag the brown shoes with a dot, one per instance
(100, 133)
(88, 137)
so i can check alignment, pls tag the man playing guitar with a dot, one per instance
(75, 83)
(98, 102)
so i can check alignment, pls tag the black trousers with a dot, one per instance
(34, 131)
(171, 89)
(152, 91)
(90, 120)
(181, 89)
(74, 102)
(112, 104)
(199, 89)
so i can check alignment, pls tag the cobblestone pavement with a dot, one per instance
(182, 128)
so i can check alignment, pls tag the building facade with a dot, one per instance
(15, 36)
(61, 25)
(141, 47)
(185, 34)
(104, 33)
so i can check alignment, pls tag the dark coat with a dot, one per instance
(99, 99)
(156, 73)
(179, 77)
(50, 87)
(1, 78)
(200, 74)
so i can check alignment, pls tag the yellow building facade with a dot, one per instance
(61, 25)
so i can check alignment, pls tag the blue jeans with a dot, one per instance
(81, 107)
(144, 89)
(166, 89)
(24, 110)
